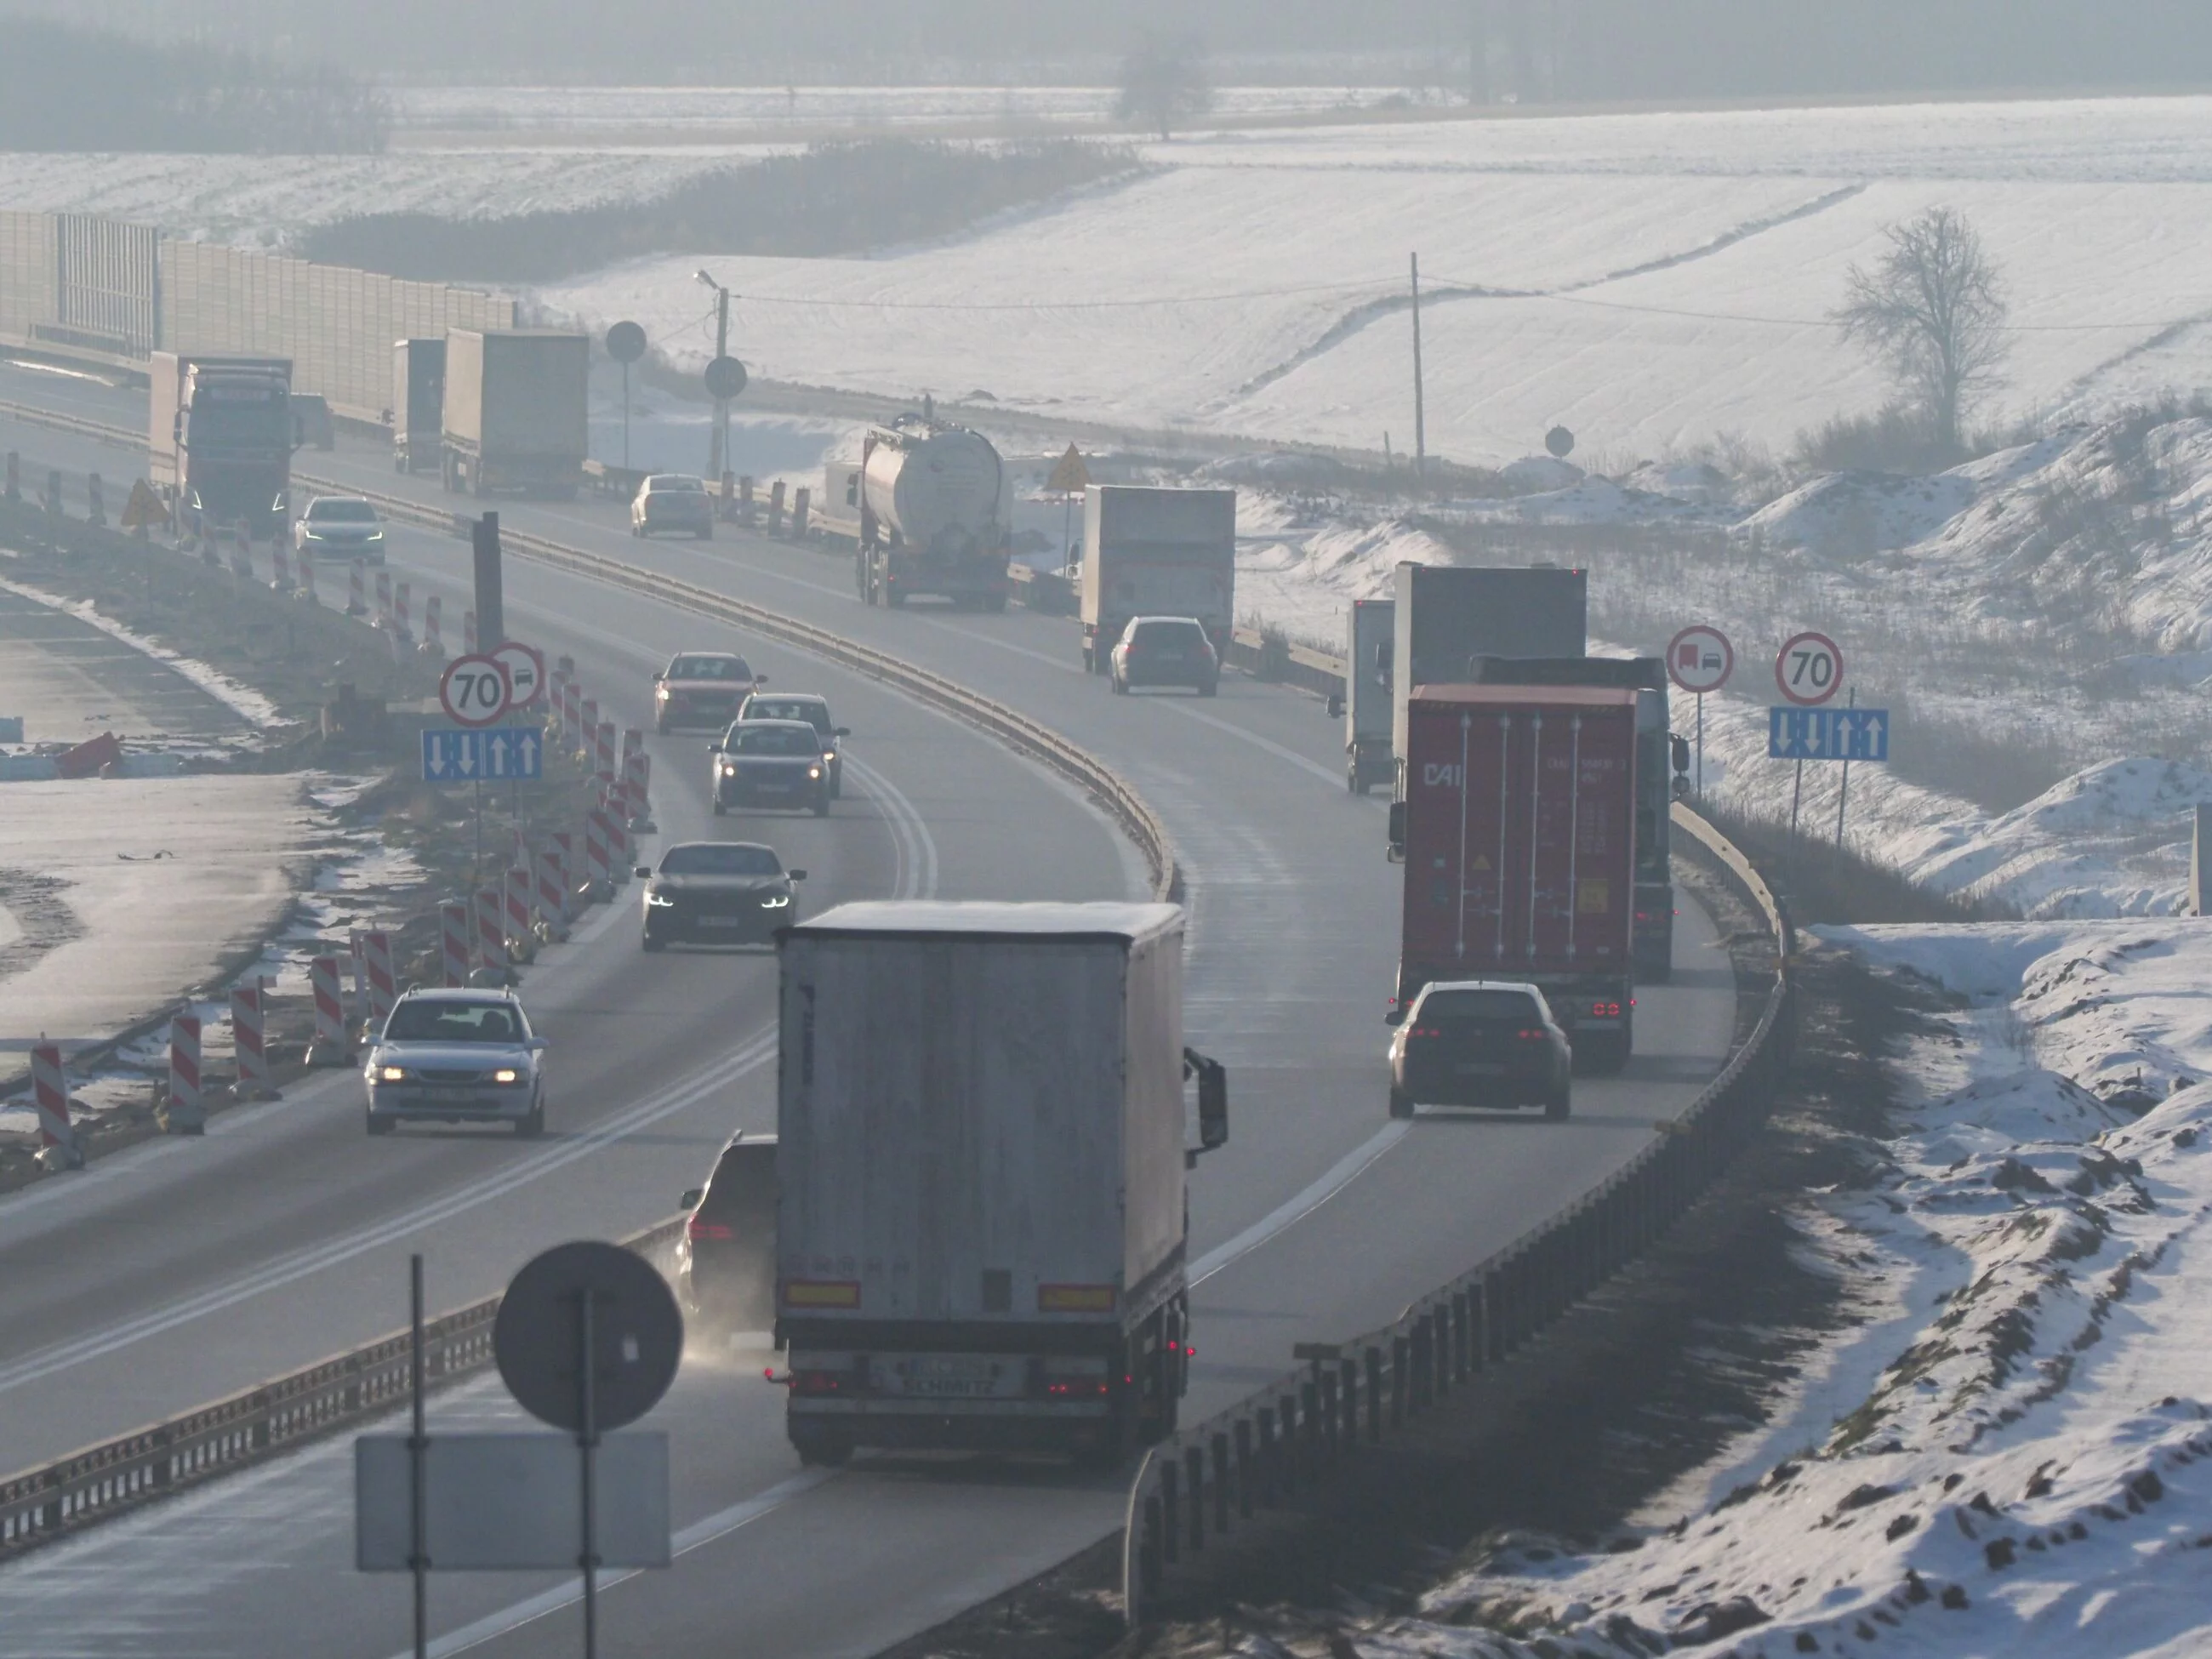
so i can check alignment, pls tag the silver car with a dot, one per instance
(340, 527)
(672, 500)
(457, 1056)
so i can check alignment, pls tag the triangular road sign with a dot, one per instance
(1070, 476)
(144, 507)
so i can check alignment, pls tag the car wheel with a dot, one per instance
(1557, 1107)
(661, 726)
(894, 597)
(647, 942)
(1402, 1103)
(822, 803)
(822, 1449)
(721, 807)
(530, 1124)
(1209, 687)
(1120, 686)
(377, 1126)
(707, 534)
(1351, 782)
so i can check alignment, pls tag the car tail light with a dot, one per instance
(1424, 1031)
(695, 1229)
(1529, 1035)
(1606, 1010)
(1076, 1388)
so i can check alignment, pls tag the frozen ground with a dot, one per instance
(2010, 1449)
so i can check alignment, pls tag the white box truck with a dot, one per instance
(980, 1155)
(516, 415)
(1150, 552)
(1368, 640)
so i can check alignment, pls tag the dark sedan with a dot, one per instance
(726, 1260)
(717, 892)
(1479, 1043)
(770, 764)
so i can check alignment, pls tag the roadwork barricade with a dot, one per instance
(58, 1146)
(330, 1046)
(182, 1113)
(453, 943)
(249, 1042)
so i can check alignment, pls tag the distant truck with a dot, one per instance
(220, 437)
(1518, 830)
(516, 412)
(837, 511)
(418, 405)
(1449, 615)
(1370, 638)
(935, 517)
(1150, 552)
(981, 1226)
(1655, 874)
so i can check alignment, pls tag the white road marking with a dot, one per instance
(1340, 1175)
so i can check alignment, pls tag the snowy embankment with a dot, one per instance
(2010, 1451)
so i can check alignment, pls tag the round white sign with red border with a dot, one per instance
(1700, 658)
(526, 673)
(1809, 669)
(474, 690)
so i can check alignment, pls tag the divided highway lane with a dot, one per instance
(1321, 1217)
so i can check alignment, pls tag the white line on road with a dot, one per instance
(1340, 1175)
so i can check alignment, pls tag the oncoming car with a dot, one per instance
(815, 711)
(340, 527)
(770, 763)
(672, 500)
(1479, 1043)
(701, 688)
(717, 892)
(455, 1057)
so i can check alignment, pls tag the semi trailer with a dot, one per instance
(1150, 552)
(934, 519)
(515, 414)
(220, 437)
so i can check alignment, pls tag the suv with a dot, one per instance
(701, 688)
(455, 1057)
(1164, 651)
(815, 711)
(340, 527)
(672, 500)
(1479, 1043)
(726, 1260)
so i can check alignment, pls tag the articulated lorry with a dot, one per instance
(933, 513)
(418, 405)
(1370, 639)
(1152, 552)
(1516, 825)
(516, 412)
(981, 1225)
(1449, 615)
(220, 437)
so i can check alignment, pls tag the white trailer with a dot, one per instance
(516, 414)
(981, 1157)
(1369, 634)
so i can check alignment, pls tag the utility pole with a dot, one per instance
(721, 405)
(1420, 419)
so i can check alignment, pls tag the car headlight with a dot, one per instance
(390, 1074)
(729, 771)
(829, 758)
(776, 901)
(660, 692)
(659, 902)
(375, 535)
(813, 771)
(507, 1074)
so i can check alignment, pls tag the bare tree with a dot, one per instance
(1933, 309)
(1164, 82)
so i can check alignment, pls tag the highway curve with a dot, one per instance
(1321, 1217)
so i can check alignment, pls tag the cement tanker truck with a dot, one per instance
(934, 515)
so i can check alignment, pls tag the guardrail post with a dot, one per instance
(1374, 1395)
(745, 501)
(1171, 1509)
(1271, 1491)
(1193, 1461)
(1221, 1486)
(1244, 1428)
(1310, 1422)
(1348, 1432)
(1150, 1564)
(1329, 1422)
(1400, 1350)
(1286, 1425)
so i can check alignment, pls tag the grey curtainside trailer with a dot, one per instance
(980, 1160)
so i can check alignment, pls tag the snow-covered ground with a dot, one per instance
(2010, 1448)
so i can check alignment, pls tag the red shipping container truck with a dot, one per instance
(1518, 834)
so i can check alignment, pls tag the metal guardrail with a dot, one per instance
(1291, 1436)
(104, 1481)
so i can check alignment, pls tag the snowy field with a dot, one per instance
(2008, 1449)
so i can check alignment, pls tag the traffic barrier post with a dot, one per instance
(745, 500)
(729, 494)
(182, 1113)
(469, 632)
(622, 846)
(605, 763)
(249, 1010)
(491, 935)
(383, 984)
(58, 1145)
(403, 611)
(434, 637)
(357, 590)
(552, 872)
(95, 500)
(799, 505)
(453, 943)
(382, 599)
(53, 502)
(521, 883)
(775, 508)
(598, 852)
(637, 778)
(308, 578)
(280, 567)
(572, 715)
(588, 727)
(633, 744)
(330, 1046)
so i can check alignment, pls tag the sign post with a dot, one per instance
(1701, 660)
(1069, 479)
(625, 344)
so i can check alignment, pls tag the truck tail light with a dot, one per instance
(820, 1383)
(1606, 1010)
(696, 1229)
(1075, 1388)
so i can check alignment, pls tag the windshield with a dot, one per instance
(239, 416)
(772, 740)
(709, 668)
(429, 1020)
(814, 714)
(720, 859)
(1170, 635)
(1516, 1006)
(672, 482)
(341, 512)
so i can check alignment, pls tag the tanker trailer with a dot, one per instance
(933, 516)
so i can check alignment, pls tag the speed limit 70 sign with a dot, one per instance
(475, 690)
(1810, 669)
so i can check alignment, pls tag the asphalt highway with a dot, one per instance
(1320, 1219)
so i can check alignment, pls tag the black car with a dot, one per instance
(770, 763)
(815, 711)
(726, 1260)
(717, 892)
(1479, 1043)
(1165, 651)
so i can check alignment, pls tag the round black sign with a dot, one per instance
(725, 377)
(637, 1336)
(1559, 442)
(625, 343)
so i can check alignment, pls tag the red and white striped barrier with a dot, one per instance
(357, 590)
(402, 611)
(572, 713)
(469, 632)
(58, 1145)
(588, 727)
(182, 1113)
(281, 561)
(383, 598)
(376, 970)
(307, 577)
(454, 939)
(491, 931)
(637, 779)
(434, 637)
(553, 885)
(556, 696)
(522, 884)
(605, 761)
(633, 744)
(330, 1046)
(249, 1042)
(600, 833)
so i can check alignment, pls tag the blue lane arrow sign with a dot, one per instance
(462, 754)
(1827, 734)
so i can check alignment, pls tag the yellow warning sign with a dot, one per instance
(1071, 476)
(1479, 862)
(144, 507)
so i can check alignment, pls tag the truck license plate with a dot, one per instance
(960, 1376)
